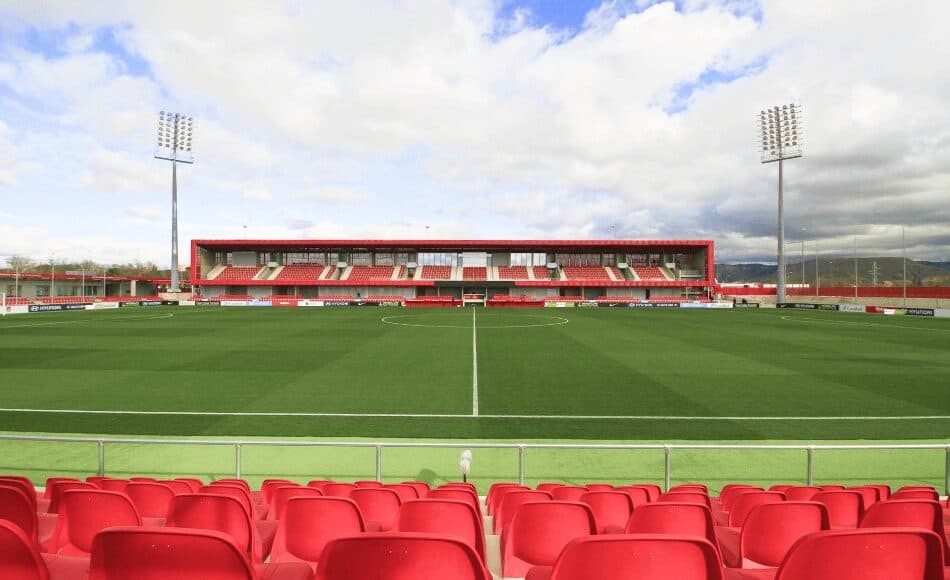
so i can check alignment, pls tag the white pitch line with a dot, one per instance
(462, 416)
(474, 366)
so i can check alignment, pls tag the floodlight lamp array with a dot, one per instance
(780, 132)
(175, 136)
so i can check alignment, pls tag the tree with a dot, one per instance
(20, 263)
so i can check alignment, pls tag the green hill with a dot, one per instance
(839, 271)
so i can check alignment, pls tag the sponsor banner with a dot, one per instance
(748, 305)
(717, 305)
(798, 305)
(55, 307)
(941, 313)
(106, 305)
(283, 303)
(155, 302)
(18, 309)
(336, 302)
(827, 307)
(129, 304)
(919, 311)
(587, 304)
(186, 302)
(233, 303)
(258, 303)
(857, 308)
(390, 303)
(309, 303)
(207, 303)
(558, 304)
(653, 305)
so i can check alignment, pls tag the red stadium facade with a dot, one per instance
(437, 270)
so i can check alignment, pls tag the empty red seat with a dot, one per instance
(178, 486)
(611, 510)
(152, 500)
(279, 497)
(769, 532)
(60, 487)
(20, 558)
(193, 482)
(801, 492)
(547, 486)
(113, 484)
(539, 531)
(380, 508)
(400, 556)
(367, 483)
(919, 493)
(465, 495)
(223, 513)
(696, 497)
(334, 489)
(639, 556)
(444, 516)
(883, 491)
(268, 484)
(421, 487)
(746, 502)
(907, 513)
(309, 523)
(495, 493)
(405, 492)
(637, 495)
(865, 554)
(568, 492)
(167, 553)
(674, 518)
(729, 492)
(16, 508)
(652, 489)
(700, 487)
(845, 508)
(509, 505)
(870, 495)
(86, 512)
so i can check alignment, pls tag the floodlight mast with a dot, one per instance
(175, 133)
(780, 138)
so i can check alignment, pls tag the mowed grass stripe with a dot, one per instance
(346, 363)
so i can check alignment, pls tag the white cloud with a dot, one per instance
(148, 213)
(256, 194)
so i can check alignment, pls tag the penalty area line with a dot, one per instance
(462, 416)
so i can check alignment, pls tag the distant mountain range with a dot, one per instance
(840, 272)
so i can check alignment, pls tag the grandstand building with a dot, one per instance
(533, 270)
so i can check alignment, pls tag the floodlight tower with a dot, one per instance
(780, 138)
(174, 144)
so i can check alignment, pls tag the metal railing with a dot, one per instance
(521, 448)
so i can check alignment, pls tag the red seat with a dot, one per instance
(903, 513)
(113, 484)
(746, 502)
(653, 490)
(213, 511)
(539, 531)
(319, 483)
(781, 487)
(124, 553)
(925, 494)
(193, 482)
(17, 509)
(638, 495)
(152, 500)
(60, 487)
(547, 486)
(883, 491)
(831, 487)
(611, 510)
(845, 508)
(178, 486)
(568, 492)
(495, 493)
(444, 516)
(405, 492)
(769, 532)
(86, 512)
(801, 492)
(865, 554)
(421, 487)
(685, 497)
(19, 557)
(143, 479)
(870, 495)
(367, 483)
(698, 487)
(380, 508)
(269, 484)
(640, 556)
(465, 495)
(309, 523)
(674, 518)
(729, 493)
(509, 505)
(400, 556)
(334, 489)
(279, 496)
(599, 487)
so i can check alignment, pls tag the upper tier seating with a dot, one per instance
(301, 273)
(541, 272)
(238, 273)
(617, 273)
(20, 301)
(513, 272)
(362, 273)
(649, 273)
(474, 273)
(384, 298)
(66, 300)
(586, 273)
(436, 272)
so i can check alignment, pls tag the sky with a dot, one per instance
(473, 119)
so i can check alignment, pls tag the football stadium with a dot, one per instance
(427, 318)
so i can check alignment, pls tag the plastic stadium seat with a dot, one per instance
(917, 488)
(547, 486)
(23, 485)
(334, 489)
(367, 484)
(746, 502)
(865, 554)
(178, 486)
(50, 482)
(310, 523)
(193, 482)
(685, 497)
(769, 532)
(883, 491)
(509, 505)
(405, 492)
(729, 492)
(845, 508)
(653, 490)
(457, 495)
(152, 500)
(781, 487)
(421, 487)
(496, 491)
(638, 495)
(401, 556)
(539, 531)
(674, 518)
(925, 494)
(907, 513)
(459, 485)
(279, 496)
(268, 484)
(801, 492)
(19, 557)
(568, 492)
(143, 479)
(59, 487)
(831, 487)
(700, 487)
(611, 510)
(869, 494)
(223, 513)
(319, 483)
(444, 517)
(86, 512)
(113, 484)
(17, 509)
(380, 508)
(640, 556)
(235, 491)
(599, 487)
(124, 553)
(265, 528)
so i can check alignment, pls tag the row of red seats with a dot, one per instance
(474, 273)
(238, 273)
(513, 272)
(301, 273)
(585, 273)
(541, 272)
(359, 273)
(436, 272)
(384, 298)
(649, 273)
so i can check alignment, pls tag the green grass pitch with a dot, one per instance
(542, 374)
